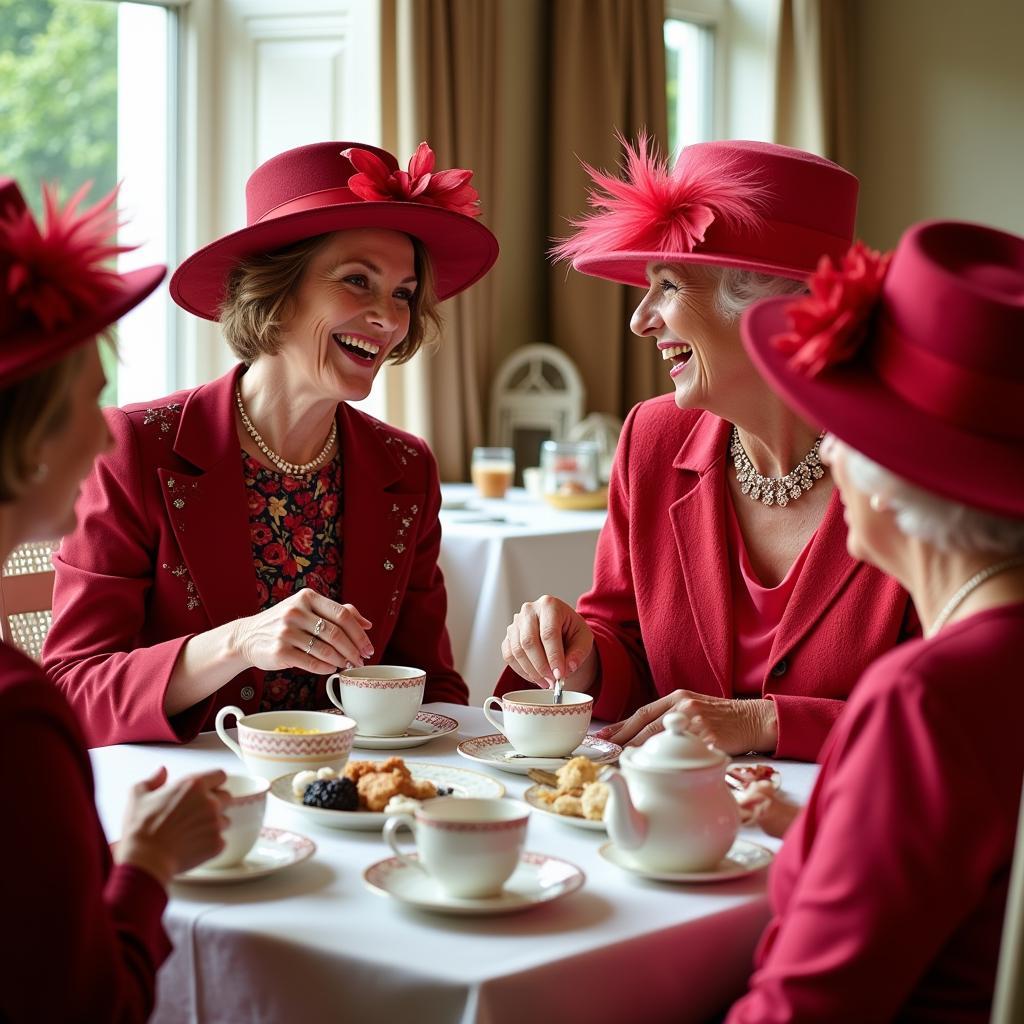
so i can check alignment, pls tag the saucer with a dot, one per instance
(274, 850)
(426, 726)
(463, 781)
(494, 750)
(533, 799)
(743, 859)
(538, 879)
(739, 770)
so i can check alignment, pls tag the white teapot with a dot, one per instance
(670, 807)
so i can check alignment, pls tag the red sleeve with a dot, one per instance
(83, 942)
(96, 651)
(897, 817)
(803, 724)
(420, 636)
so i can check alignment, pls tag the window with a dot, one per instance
(85, 96)
(690, 76)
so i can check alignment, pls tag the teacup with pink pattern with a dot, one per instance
(383, 699)
(538, 727)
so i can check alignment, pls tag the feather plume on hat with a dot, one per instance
(653, 208)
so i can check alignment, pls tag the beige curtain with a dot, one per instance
(814, 88)
(518, 90)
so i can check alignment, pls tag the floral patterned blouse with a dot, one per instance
(293, 522)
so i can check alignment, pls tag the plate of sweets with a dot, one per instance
(572, 794)
(747, 773)
(364, 793)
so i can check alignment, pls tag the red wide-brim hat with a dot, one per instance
(306, 192)
(933, 386)
(56, 290)
(750, 205)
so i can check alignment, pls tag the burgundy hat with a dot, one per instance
(57, 290)
(752, 205)
(918, 362)
(334, 186)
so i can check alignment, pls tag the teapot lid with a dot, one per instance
(676, 748)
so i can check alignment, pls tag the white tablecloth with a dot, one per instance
(497, 554)
(312, 944)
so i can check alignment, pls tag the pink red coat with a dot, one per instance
(162, 552)
(890, 888)
(82, 938)
(661, 604)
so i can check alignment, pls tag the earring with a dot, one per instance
(40, 473)
(877, 502)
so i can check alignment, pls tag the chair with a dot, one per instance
(26, 596)
(537, 396)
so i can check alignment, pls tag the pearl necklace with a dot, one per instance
(284, 465)
(775, 490)
(968, 588)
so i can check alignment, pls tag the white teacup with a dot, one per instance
(383, 699)
(469, 846)
(244, 812)
(538, 727)
(269, 754)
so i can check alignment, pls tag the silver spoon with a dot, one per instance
(559, 683)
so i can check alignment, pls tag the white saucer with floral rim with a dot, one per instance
(537, 880)
(274, 850)
(495, 751)
(426, 726)
(743, 859)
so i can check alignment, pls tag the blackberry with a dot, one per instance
(332, 795)
(445, 790)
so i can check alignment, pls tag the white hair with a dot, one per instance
(926, 516)
(737, 289)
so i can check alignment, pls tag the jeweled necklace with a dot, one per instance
(775, 490)
(969, 587)
(284, 465)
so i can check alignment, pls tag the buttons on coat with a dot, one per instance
(780, 668)
(248, 692)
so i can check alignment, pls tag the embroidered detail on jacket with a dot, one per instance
(191, 595)
(401, 520)
(403, 452)
(164, 415)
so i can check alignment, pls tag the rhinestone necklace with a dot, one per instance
(284, 465)
(775, 490)
(968, 588)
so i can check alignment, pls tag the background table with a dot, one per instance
(497, 554)
(312, 944)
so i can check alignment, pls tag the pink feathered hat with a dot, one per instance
(751, 205)
(918, 362)
(57, 289)
(333, 186)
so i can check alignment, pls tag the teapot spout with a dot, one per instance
(627, 827)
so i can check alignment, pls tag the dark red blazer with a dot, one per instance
(162, 552)
(83, 938)
(661, 604)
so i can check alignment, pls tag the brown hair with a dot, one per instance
(30, 411)
(259, 290)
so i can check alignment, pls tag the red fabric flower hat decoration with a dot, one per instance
(334, 186)
(57, 286)
(750, 205)
(917, 361)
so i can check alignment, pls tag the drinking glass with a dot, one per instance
(492, 470)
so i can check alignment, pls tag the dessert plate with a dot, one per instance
(274, 850)
(532, 797)
(496, 752)
(743, 859)
(537, 880)
(426, 726)
(748, 771)
(463, 781)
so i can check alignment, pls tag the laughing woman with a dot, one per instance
(246, 538)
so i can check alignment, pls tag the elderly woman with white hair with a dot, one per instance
(890, 889)
(722, 586)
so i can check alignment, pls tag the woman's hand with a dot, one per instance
(763, 805)
(305, 631)
(735, 726)
(549, 640)
(169, 829)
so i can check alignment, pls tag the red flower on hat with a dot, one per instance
(60, 270)
(449, 190)
(830, 325)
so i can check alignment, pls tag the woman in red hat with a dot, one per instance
(83, 933)
(246, 538)
(890, 888)
(722, 586)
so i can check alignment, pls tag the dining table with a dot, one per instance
(497, 553)
(314, 943)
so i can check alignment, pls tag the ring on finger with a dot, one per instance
(318, 628)
(309, 646)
